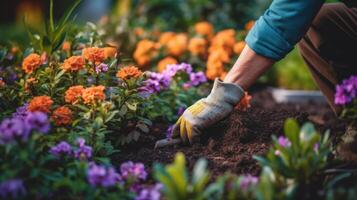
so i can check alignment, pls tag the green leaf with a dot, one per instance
(307, 131)
(291, 130)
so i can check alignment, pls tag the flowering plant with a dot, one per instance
(299, 155)
(345, 96)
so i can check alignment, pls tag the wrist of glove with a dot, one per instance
(208, 111)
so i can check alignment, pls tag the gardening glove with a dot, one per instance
(208, 111)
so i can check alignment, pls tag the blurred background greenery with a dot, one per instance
(164, 15)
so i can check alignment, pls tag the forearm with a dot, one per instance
(248, 68)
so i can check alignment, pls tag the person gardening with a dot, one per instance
(327, 38)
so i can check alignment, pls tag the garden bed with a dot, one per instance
(230, 145)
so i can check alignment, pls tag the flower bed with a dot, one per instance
(77, 120)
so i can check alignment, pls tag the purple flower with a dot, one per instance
(197, 78)
(133, 170)
(152, 193)
(247, 181)
(155, 83)
(99, 175)
(12, 188)
(21, 112)
(170, 131)
(38, 121)
(347, 91)
(171, 70)
(83, 152)
(63, 148)
(284, 142)
(101, 68)
(12, 129)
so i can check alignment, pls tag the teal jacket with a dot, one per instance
(282, 26)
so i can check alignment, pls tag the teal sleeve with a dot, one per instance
(282, 26)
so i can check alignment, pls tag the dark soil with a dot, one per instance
(230, 145)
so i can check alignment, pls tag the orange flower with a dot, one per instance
(94, 54)
(238, 47)
(31, 63)
(198, 46)
(66, 46)
(74, 63)
(93, 94)
(129, 72)
(110, 52)
(144, 52)
(62, 116)
(224, 39)
(74, 94)
(166, 37)
(178, 45)
(204, 28)
(249, 25)
(244, 102)
(215, 72)
(40, 103)
(161, 66)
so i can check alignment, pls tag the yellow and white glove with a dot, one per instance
(208, 111)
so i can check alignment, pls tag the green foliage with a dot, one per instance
(178, 184)
(52, 35)
(299, 157)
(182, 14)
(292, 73)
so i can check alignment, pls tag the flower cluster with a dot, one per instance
(347, 91)
(13, 188)
(20, 126)
(99, 175)
(31, 63)
(133, 171)
(41, 104)
(81, 152)
(205, 46)
(161, 81)
(89, 95)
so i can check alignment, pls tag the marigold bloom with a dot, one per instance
(238, 47)
(161, 66)
(66, 46)
(249, 25)
(204, 28)
(93, 94)
(74, 94)
(41, 104)
(74, 63)
(31, 63)
(198, 46)
(144, 52)
(94, 54)
(178, 45)
(129, 72)
(223, 40)
(62, 116)
(166, 37)
(110, 52)
(244, 102)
